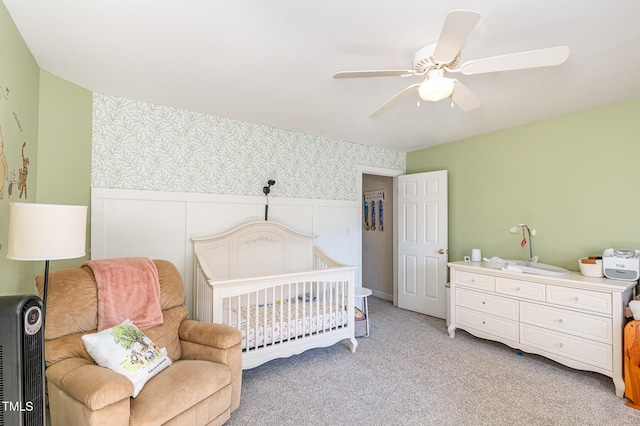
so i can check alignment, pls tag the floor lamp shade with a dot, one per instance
(46, 231)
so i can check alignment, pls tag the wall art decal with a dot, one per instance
(11, 181)
(9, 147)
(4, 168)
(22, 177)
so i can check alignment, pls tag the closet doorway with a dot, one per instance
(427, 277)
(377, 244)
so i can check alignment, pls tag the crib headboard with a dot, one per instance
(255, 249)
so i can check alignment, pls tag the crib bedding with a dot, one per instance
(281, 322)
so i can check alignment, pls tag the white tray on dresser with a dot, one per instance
(575, 320)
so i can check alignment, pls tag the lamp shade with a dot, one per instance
(46, 231)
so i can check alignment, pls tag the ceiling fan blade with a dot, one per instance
(464, 98)
(457, 27)
(516, 61)
(381, 73)
(395, 100)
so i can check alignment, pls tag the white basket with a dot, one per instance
(591, 269)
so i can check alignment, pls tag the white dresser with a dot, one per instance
(575, 320)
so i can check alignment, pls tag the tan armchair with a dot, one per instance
(201, 387)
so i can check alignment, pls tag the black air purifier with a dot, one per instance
(22, 394)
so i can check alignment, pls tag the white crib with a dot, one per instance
(277, 287)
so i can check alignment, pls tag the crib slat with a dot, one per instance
(279, 316)
(306, 304)
(288, 317)
(335, 297)
(326, 325)
(249, 320)
(315, 301)
(299, 311)
(269, 327)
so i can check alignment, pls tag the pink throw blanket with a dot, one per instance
(128, 288)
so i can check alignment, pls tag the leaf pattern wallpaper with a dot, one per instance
(142, 146)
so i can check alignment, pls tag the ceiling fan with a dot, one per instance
(442, 57)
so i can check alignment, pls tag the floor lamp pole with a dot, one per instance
(44, 291)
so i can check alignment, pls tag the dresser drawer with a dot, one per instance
(577, 298)
(581, 350)
(467, 279)
(495, 305)
(521, 289)
(500, 327)
(575, 323)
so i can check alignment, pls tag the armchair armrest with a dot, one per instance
(217, 343)
(215, 335)
(92, 385)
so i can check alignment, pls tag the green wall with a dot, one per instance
(19, 86)
(53, 117)
(64, 149)
(573, 178)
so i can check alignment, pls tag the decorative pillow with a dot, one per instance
(126, 350)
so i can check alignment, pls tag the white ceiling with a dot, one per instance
(272, 62)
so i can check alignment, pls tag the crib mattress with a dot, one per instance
(278, 323)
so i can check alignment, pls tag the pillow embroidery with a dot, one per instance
(126, 350)
(142, 351)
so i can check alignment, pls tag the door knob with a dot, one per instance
(441, 251)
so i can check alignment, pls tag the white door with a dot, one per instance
(422, 242)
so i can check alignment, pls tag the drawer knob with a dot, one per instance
(576, 298)
(560, 320)
(483, 302)
(517, 288)
(560, 344)
(473, 280)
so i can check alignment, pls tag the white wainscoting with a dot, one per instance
(160, 225)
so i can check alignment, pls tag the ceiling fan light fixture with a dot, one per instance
(435, 87)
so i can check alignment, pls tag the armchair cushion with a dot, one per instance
(126, 350)
(106, 387)
(185, 384)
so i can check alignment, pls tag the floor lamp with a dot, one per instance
(42, 232)
(46, 232)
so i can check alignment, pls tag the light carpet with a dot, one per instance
(410, 372)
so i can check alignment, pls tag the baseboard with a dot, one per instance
(382, 295)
